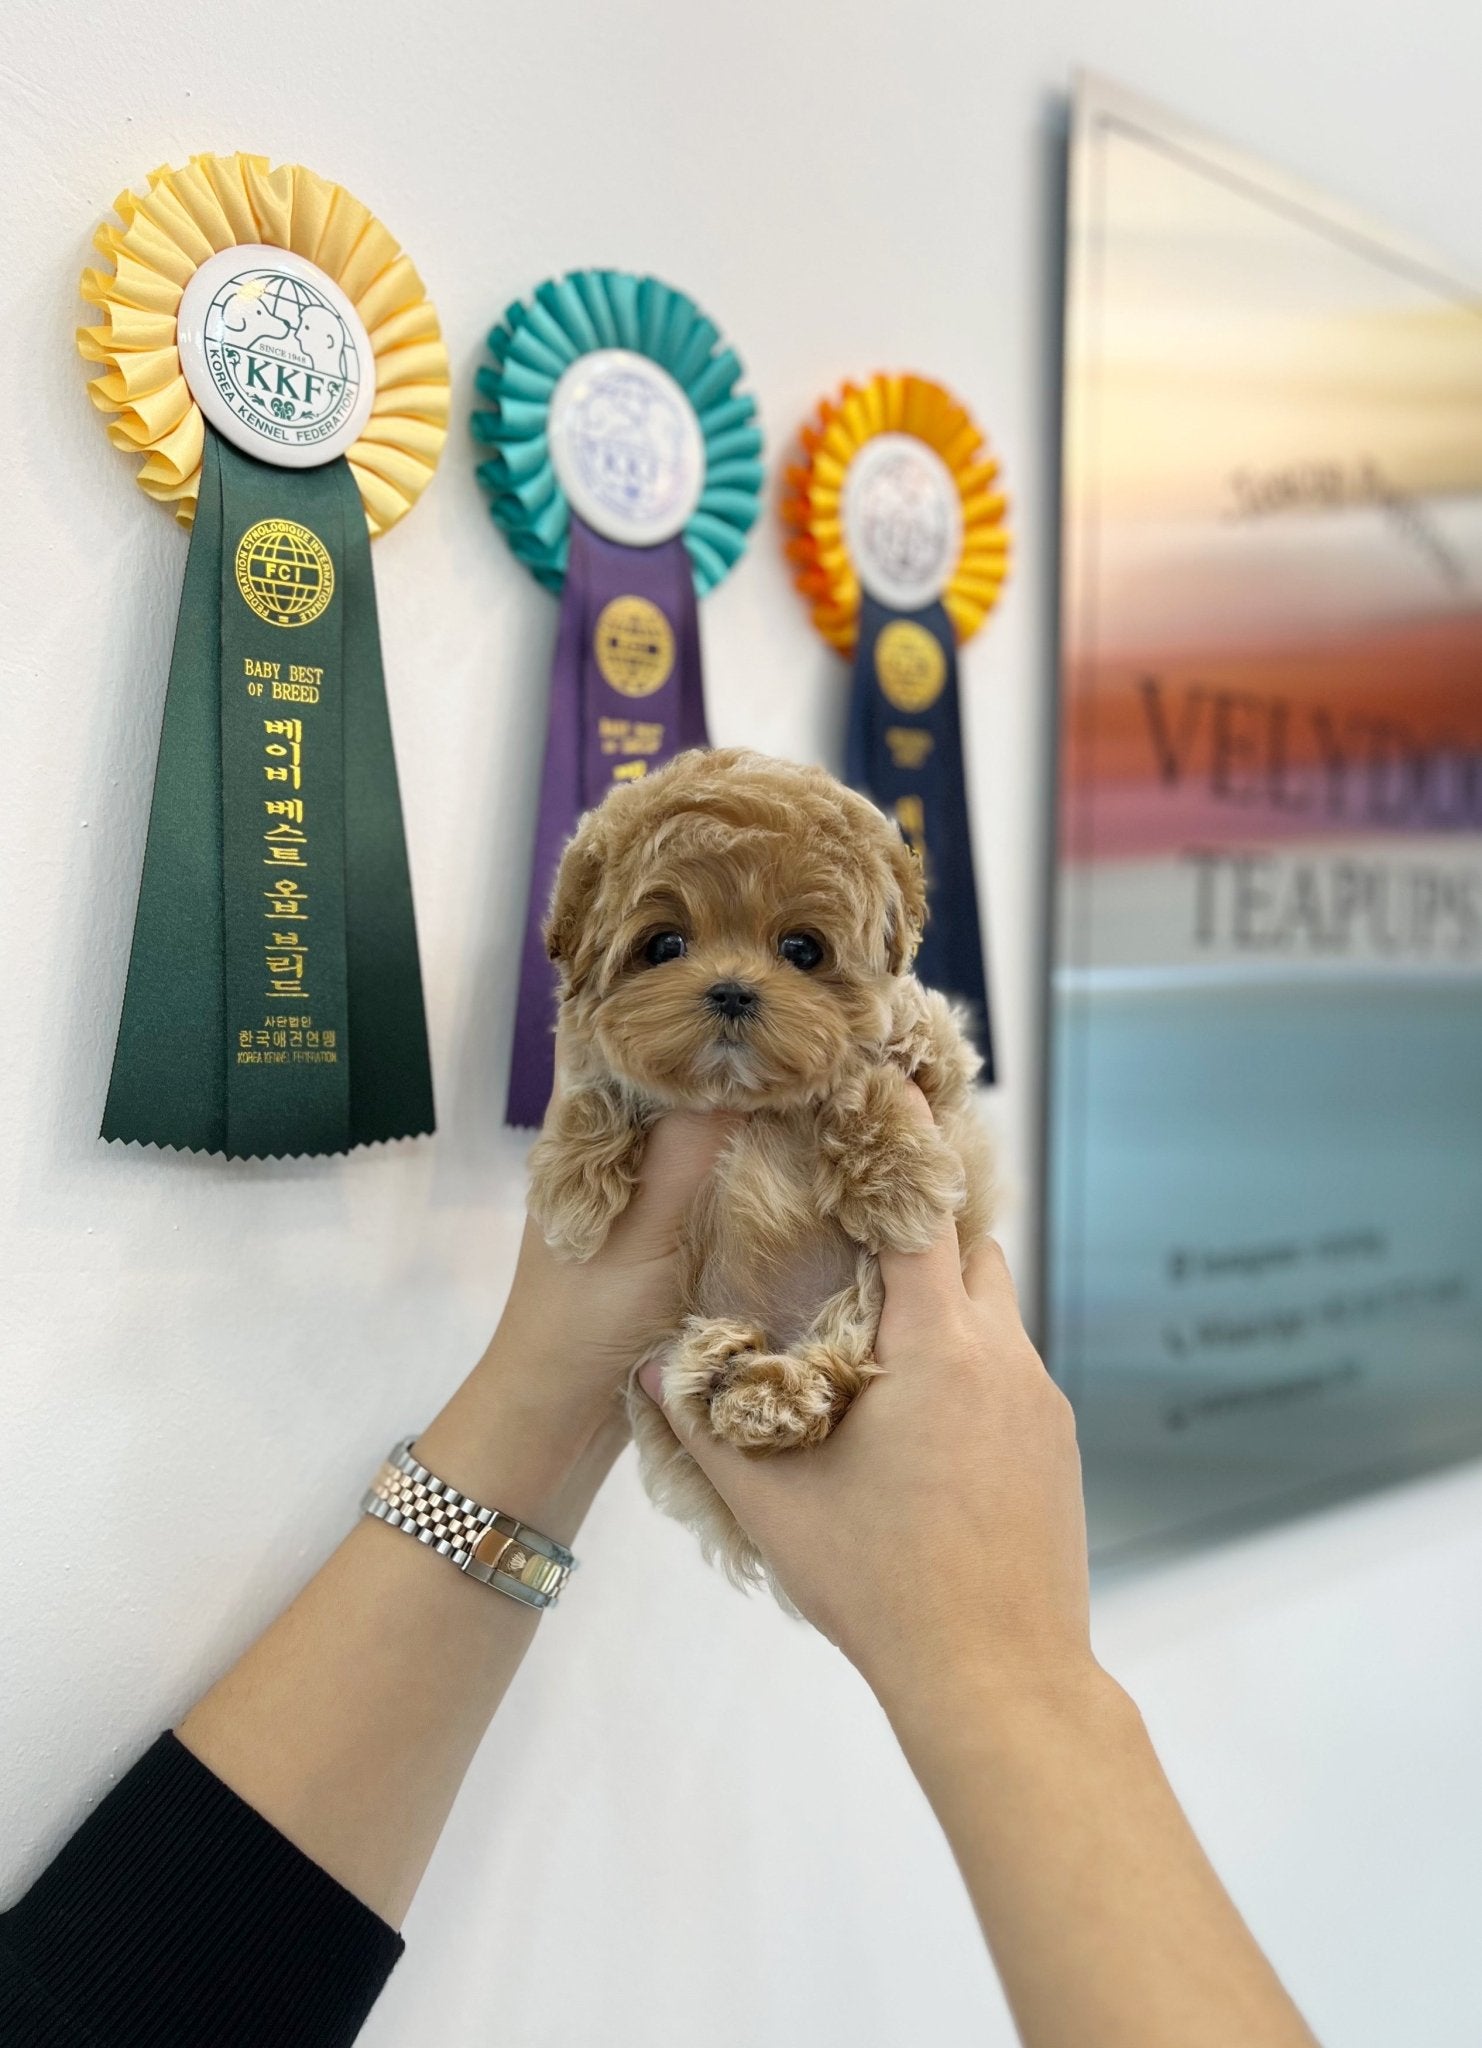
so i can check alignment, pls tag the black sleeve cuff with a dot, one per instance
(178, 1915)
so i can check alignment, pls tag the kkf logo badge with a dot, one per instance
(284, 572)
(282, 358)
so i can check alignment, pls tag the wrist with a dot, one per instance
(982, 1705)
(541, 1381)
(519, 1436)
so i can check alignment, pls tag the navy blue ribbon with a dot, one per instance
(905, 751)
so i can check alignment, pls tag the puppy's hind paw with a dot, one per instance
(707, 1353)
(771, 1402)
(756, 1398)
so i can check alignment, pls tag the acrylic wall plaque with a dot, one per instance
(1265, 1164)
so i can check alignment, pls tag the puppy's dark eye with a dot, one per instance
(800, 950)
(664, 946)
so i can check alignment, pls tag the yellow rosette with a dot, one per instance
(268, 350)
(897, 539)
(813, 511)
(216, 203)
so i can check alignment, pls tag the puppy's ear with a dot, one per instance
(571, 903)
(905, 919)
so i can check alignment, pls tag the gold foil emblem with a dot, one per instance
(284, 572)
(910, 665)
(633, 646)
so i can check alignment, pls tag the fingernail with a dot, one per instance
(651, 1379)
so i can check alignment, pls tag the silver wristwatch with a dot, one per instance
(486, 1545)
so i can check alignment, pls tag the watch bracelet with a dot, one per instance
(484, 1543)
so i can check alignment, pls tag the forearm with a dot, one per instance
(351, 1722)
(1105, 1919)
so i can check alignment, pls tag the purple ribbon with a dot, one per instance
(626, 694)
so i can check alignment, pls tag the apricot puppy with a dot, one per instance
(736, 932)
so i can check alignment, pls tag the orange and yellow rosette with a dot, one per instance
(214, 203)
(812, 507)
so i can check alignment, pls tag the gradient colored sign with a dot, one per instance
(1265, 1215)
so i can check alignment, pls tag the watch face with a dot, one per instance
(626, 447)
(276, 356)
(902, 521)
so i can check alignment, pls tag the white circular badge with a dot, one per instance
(627, 447)
(276, 356)
(902, 521)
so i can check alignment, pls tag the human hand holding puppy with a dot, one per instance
(938, 1537)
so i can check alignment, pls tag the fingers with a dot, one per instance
(680, 1152)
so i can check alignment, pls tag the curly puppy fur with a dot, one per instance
(698, 881)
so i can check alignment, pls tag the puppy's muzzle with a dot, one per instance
(735, 1001)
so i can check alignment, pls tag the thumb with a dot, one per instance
(651, 1379)
(919, 1284)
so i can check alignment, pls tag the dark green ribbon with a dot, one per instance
(274, 997)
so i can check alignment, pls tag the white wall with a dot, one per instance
(691, 1825)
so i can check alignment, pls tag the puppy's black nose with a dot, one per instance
(731, 999)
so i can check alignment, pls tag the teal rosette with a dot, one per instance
(532, 348)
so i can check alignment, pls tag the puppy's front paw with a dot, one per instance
(582, 1172)
(574, 1199)
(889, 1180)
(926, 1186)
